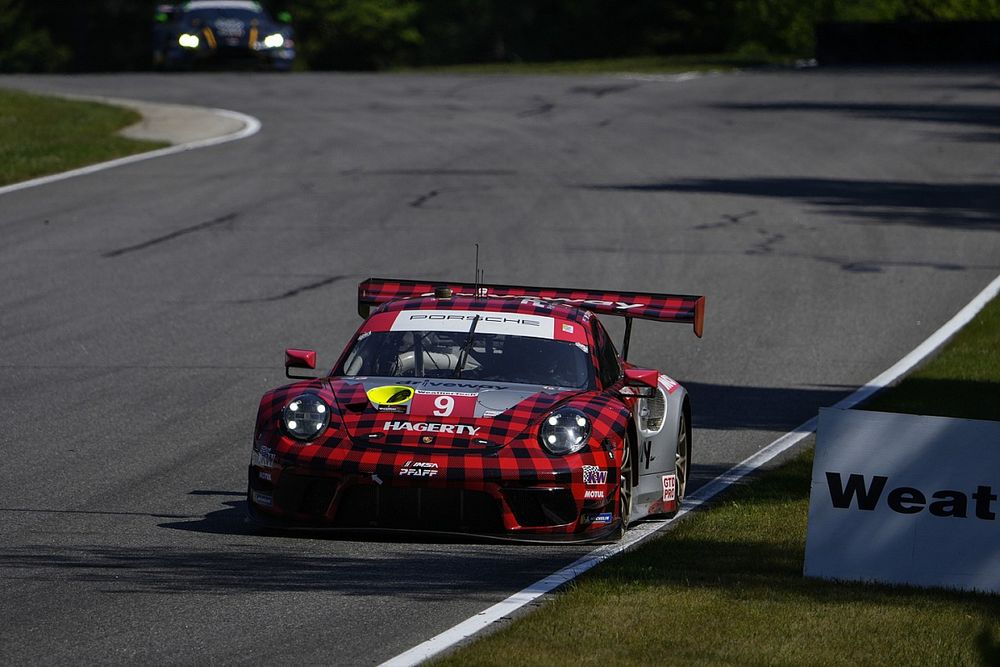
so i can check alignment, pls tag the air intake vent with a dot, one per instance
(652, 412)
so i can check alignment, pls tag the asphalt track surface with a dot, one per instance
(834, 219)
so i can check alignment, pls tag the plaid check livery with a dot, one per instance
(642, 305)
(376, 466)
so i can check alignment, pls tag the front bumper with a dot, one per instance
(523, 503)
(280, 58)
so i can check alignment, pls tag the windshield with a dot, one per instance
(213, 14)
(490, 356)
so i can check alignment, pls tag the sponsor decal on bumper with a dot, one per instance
(669, 488)
(592, 475)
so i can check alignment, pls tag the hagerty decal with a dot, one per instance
(432, 427)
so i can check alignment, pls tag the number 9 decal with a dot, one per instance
(445, 405)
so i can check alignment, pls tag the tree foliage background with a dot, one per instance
(111, 35)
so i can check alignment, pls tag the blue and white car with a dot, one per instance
(205, 33)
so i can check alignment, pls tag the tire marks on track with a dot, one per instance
(201, 226)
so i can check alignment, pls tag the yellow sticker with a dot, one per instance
(390, 395)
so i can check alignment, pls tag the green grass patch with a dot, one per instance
(726, 587)
(46, 135)
(962, 381)
(641, 65)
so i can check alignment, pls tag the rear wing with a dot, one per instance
(642, 305)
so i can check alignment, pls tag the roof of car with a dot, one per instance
(523, 305)
(223, 4)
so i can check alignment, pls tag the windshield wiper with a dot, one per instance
(464, 354)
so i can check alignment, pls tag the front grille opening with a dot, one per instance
(302, 494)
(541, 507)
(370, 506)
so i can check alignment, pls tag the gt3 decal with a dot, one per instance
(669, 488)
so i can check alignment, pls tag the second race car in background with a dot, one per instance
(221, 33)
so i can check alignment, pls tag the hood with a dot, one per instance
(441, 413)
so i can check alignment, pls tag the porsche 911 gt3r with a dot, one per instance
(496, 410)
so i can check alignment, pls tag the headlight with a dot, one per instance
(188, 41)
(564, 431)
(274, 41)
(305, 417)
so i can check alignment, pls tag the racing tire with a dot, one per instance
(624, 490)
(682, 459)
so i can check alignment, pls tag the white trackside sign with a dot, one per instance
(905, 499)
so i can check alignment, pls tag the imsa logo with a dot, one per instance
(419, 469)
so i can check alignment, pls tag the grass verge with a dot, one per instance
(726, 586)
(641, 65)
(46, 135)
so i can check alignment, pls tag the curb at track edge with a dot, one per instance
(251, 126)
(452, 636)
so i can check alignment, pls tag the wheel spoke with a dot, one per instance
(681, 463)
(625, 487)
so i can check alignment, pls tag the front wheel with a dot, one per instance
(625, 490)
(682, 460)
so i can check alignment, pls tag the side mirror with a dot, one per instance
(295, 358)
(639, 382)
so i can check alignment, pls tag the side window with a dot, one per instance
(610, 370)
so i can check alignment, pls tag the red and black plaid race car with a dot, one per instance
(495, 410)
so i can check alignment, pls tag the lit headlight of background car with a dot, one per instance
(305, 417)
(565, 431)
(275, 41)
(189, 41)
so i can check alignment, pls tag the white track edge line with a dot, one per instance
(471, 626)
(250, 127)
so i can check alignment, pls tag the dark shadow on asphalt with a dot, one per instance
(414, 571)
(233, 521)
(944, 205)
(975, 115)
(726, 407)
(955, 205)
